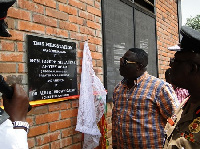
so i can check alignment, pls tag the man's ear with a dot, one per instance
(194, 68)
(140, 67)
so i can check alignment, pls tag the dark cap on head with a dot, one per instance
(4, 6)
(190, 40)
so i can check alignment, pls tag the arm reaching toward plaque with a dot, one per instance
(13, 125)
(16, 107)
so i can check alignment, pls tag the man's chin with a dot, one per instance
(121, 73)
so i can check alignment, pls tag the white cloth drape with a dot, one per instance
(92, 102)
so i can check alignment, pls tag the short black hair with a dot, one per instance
(142, 56)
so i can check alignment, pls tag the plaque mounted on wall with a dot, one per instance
(52, 71)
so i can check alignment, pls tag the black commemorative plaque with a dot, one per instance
(52, 69)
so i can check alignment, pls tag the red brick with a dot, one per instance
(78, 36)
(45, 118)
(98, 19)
(77, 4)
(79, 54)
(96, 55)
(73, 121)
(88, 31)
(41, 19)
(31, 6)
(46, 138)
(38, 130)
(68, 132)
(60, 125)
(76, 20)
(19, 14)
(55, 144)
(97, 5)
(57, 32)
(94, 11)
(69, 113)
(7, 45)
(75, 146)
(81, 45)
(92, 47)
(49, 3)
(65, 142)
(98, 34)
(20, 46)
(56, 14)
(90, 2)
(75, 103)
(99, 63)
(30, 120)
(16, 35)
(68, 26)
(93, 25)
(68, 9)
(95, 40)
(31, 142)
(65, 105)
(38, 110)
(59, 106)
(21, 68)
(86, 15)
(31, 27)
(12, 57)
(62, 1)
(46, 146)
(10, 22)
(7, 68)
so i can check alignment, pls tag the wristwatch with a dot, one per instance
(17, 124)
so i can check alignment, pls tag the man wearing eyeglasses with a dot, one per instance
(183, 128)
(142, 104)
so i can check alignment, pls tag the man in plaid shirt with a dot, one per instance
(142, 104)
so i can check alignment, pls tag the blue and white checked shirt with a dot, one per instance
(140, 114)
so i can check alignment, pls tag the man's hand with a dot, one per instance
(18, 105)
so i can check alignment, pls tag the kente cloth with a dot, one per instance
(92, 102)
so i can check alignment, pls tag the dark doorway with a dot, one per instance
(127, 24)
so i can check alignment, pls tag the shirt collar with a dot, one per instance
(139, 79)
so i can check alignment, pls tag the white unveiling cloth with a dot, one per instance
(12, 138)
(92, 102)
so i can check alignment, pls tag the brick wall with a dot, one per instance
(52, 126)
(167, 32)
(167, 35)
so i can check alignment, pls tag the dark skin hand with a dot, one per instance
(17, 107)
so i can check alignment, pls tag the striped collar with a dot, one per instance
(139, 79)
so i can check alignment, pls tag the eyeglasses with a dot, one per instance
(125, 61)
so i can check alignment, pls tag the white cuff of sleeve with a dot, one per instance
(17, 124)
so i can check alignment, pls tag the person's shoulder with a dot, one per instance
(160, 83)
(158, 79)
